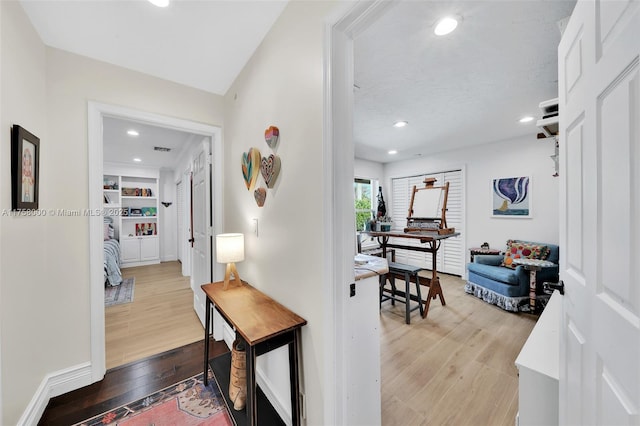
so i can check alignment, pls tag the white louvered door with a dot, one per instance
(450, 255)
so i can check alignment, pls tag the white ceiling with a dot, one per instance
(202, 44)
(469, 87)
(119, 147)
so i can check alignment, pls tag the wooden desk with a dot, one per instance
(264, 325)
(432, 241)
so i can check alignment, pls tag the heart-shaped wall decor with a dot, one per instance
(260, 195)
(250, 167)
(270, 168)
(271, 136)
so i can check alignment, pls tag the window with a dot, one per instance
(363, 190)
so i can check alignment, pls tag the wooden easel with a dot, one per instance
(429, 219)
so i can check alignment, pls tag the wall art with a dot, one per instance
(260, 194)
(512, 197)
(250, 167)
(25, 169)
(271, 136)
(270, 168)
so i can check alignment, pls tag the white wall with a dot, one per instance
(47, 90)
(524, 156)
(26, 290)
(168, 217)
(368, 170)
(282, 85)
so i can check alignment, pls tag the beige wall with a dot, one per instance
(282, 85)
(44, 275)
(24, 283)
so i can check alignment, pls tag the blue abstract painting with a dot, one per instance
(512, 197)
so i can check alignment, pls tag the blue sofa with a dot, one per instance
(508, 288)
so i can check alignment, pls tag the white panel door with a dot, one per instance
(599, 91)
(201, 252)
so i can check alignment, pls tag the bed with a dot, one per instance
(112, 275)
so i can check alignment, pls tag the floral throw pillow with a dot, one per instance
(520, 250)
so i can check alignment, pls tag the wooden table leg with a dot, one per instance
(435, 289)
(293, 378)
(252, 415)
(207, 327)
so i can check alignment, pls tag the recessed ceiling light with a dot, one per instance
(137, 160)
(132, 132)
(392, 152)
(445, 25)
(526, 119)
(159, 3)
(400, 123)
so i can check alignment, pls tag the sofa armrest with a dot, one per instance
(488, 259)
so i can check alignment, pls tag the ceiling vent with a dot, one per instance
(161, 149)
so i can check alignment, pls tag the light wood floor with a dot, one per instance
(456, 367)
(161, 316)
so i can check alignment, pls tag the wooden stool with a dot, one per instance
(410, 274)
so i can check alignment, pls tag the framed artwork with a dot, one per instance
(25, 171)
(511, 197)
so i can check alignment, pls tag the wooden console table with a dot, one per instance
(432, 241)
(264, 325)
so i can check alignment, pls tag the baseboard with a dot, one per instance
(55, 384)
(267, 387)
(276, 402)
(169, 258)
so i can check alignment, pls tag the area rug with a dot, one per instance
(185, 403)
(118, 294)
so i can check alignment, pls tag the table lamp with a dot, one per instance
(230, 249)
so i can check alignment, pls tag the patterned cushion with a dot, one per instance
(518, 249)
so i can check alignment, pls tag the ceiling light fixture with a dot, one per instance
(445, 26)
(137, 160)
(132, 132)
(526, 119)
(159, 3)
(400, 123)
(392, 152)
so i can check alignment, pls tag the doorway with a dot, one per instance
(96, 114)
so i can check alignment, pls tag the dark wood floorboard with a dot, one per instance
(128, 383)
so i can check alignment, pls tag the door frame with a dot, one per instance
(338, 156)
(96, 113)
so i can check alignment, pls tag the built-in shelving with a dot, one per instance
(136, 217)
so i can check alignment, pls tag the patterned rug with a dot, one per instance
(118, 294)
(186, 403)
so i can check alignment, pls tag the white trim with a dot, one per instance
(96, 112)
(54, 384)
(277, 403)
(339, 236)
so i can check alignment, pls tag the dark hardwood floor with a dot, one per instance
(129, 382)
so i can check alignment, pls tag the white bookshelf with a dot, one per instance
(134, 206)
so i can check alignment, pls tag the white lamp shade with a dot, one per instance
(229, 248)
